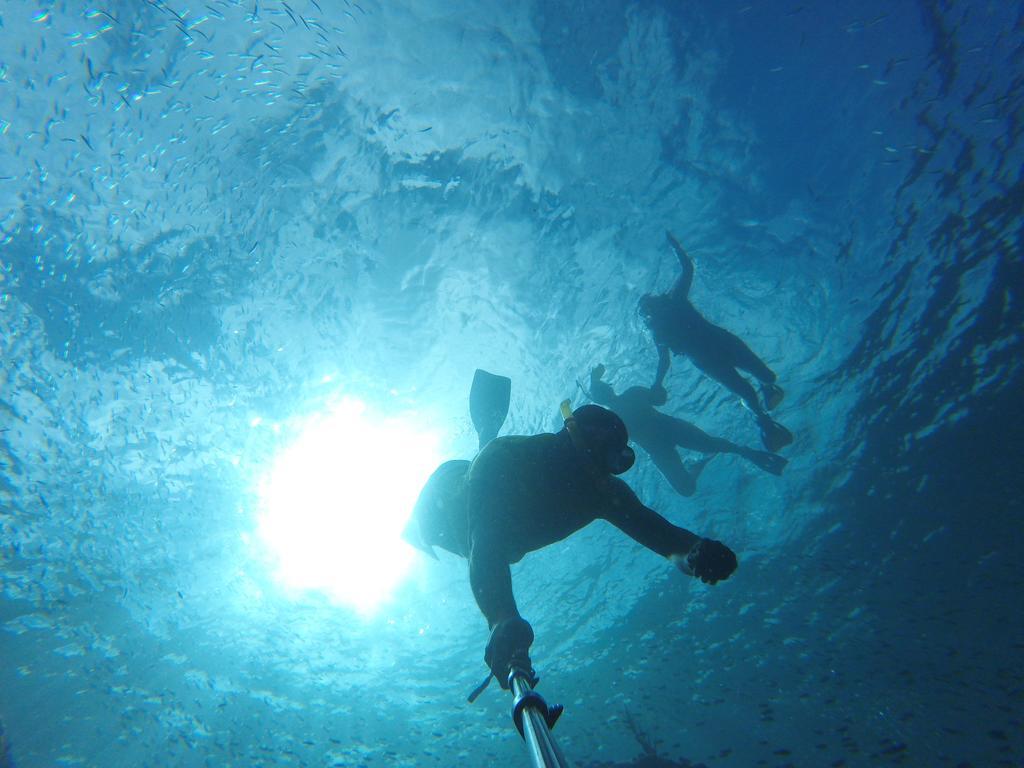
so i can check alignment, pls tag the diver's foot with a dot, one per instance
(769, 462)
(773, 395)
(774, 436)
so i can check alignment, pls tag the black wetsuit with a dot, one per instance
(519, 495)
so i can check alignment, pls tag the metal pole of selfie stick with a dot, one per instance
(534, 719)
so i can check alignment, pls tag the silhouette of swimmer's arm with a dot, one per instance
(664, 360)
(681, 289)
(600, 390)
(645, 526)
(680, 292)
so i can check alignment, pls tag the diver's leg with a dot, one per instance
(729, 377)
(774, 436)
(689, 436)
(744, 359)
(671, 466)
(693, 438)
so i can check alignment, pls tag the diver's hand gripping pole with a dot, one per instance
(534, 719)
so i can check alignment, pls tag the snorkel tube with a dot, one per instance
(572, 426)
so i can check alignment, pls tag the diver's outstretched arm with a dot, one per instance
(600, 390)
(645, 526)
(682, 287)
(664, 360)
(491, 581)
(654, 397)
(706, 559)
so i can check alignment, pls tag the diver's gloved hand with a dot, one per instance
(510, 639)
(708, 560)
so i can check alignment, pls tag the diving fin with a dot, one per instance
(773, 435)
(488, 404)
(773, 395)
(769, 462)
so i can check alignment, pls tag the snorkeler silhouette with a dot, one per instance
(678, 327)
(524, 492)
(660, 434)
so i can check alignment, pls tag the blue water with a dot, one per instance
(216, 217)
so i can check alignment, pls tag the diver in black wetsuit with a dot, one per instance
(660, 434)
(678, 327)
(522, 493)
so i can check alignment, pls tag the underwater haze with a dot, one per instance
(231, 230)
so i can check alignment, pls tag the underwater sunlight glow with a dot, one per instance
(334, 502)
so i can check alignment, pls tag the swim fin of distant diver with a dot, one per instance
(488, 404)
(769, 462)
(773, 395)
(774, 435)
